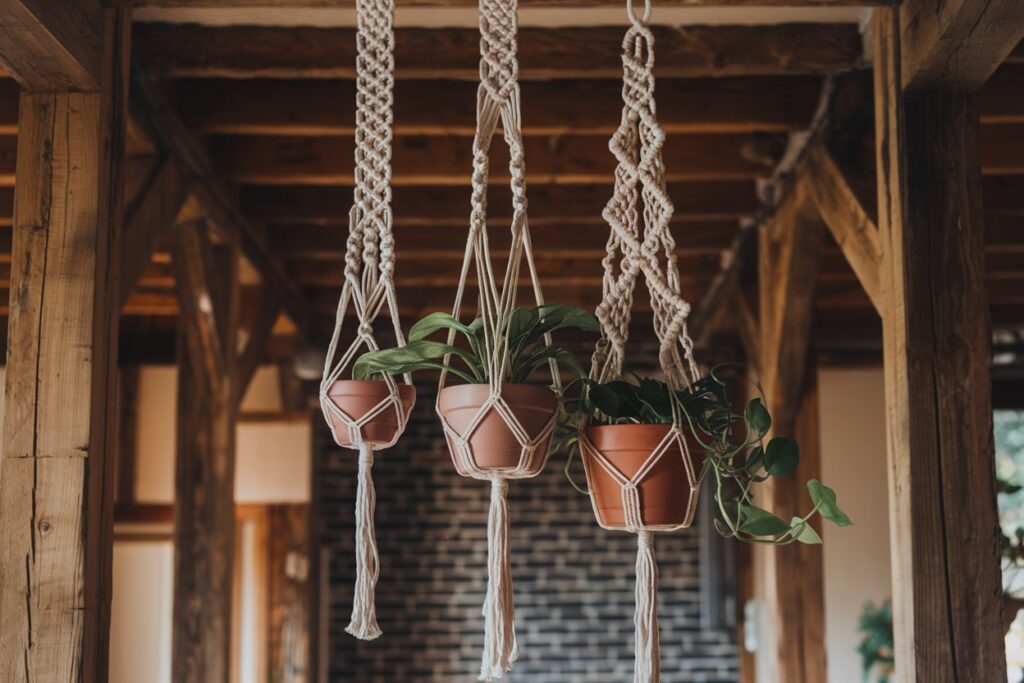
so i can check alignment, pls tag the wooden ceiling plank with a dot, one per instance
(713, 201)
(194, 51)
(420, 160)
(290, 4)
(324, 107)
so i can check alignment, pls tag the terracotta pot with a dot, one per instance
(664, 491)
(492, 443)
(356, 398)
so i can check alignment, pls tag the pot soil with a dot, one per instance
(492, 443)
(664, 491)
(356, 398)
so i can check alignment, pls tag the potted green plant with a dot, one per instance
(521, 347)
(358, 398)
(626, 420)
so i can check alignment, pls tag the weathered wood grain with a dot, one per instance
(56, 492)
(50, 46)
(204, 488)
(937, 341)
(957, 44)
(789, 259)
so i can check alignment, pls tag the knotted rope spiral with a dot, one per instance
(498, 101)
(640, 242)
(368, 285)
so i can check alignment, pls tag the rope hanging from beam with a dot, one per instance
(498, 102)
(368, 415)
(641, 242)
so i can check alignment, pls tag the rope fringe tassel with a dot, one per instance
(363, 624)
(500, 647)
(648, 657)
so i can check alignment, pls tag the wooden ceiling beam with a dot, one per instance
(850, 222)
(324, 107)
(957, 44)
(292, 4)
(194, 51)
(420, 160)
(702, 201)
(216, 201)
(50, 46)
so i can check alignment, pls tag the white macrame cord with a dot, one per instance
(369, 285)
(498, 101)
(641, 242)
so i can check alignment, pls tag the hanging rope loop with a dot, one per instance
(368, 289)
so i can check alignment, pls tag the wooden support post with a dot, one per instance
(789, 255)
(59, 437)
(937, 340)
(204, 494)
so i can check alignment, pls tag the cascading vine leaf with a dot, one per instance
(737, 456)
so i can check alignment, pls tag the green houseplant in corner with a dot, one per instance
(627, 419)
(520, 346)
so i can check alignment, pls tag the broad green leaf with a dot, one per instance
(781, 456)
(824, 499)
(434, 322)
(757, 417)
(554, 317)
(415, 355)
(755, 460)
(759, 522)
(804, 532)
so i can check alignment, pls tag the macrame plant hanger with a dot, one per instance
(639, 213)
(368, 289)
(498, 102)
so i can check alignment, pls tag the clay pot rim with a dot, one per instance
(661, 426)
(402, 386)
(538, 388)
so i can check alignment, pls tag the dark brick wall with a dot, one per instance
(573, 581)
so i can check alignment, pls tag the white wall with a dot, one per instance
(856, 558)
(853, 462)
(273, 458)
(140, 620)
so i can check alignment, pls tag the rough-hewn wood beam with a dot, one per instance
(789, 253)
(193, 51)
(447, 160)
(324, 107)
(216, 201)
(257, 333)
(957, 44)
(693, 200)
(147, 219)
(204, 490)
(937, 340)
(59, 436)
(851, 224)
(468, 3)
(50, 46)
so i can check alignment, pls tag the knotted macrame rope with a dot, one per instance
(640, 242)
(498, 102)
(369, 286)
